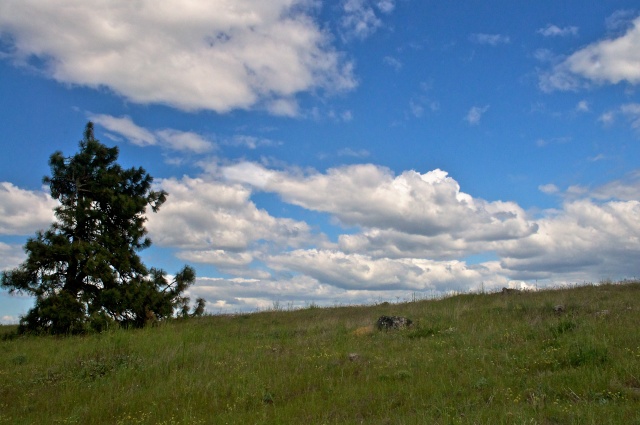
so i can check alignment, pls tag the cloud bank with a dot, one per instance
(200, 55)
(391, 235)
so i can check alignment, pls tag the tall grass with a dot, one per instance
(468, 359)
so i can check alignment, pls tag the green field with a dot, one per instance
(468, 359)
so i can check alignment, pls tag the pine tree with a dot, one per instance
(84, 271)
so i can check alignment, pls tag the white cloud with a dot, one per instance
(548, 188)
(9, 320)
(632, 112)
(555, 31)
(214, 55)
(172, 139)
(582, 106)
(217, 223)
(544, 55)
(401, 221)
(366, 195)
(585, 239)
(23, 212)
(386, 6)
(360, 20)
(355, 271)
(10, 256)
(184, 141)
(607, 117)
(408, 233)
(346, 116)
(243, 294)
(490, 39)
(360, 153)
(125, 127)
(624, 189)
(219, 257)
(620, 20)
(251, 142)
(608, 61)
(475, 114)
(283, 107)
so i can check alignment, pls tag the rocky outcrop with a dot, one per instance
(393, 322)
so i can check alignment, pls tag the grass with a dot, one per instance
(468, 359)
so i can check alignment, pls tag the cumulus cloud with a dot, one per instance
(172, 139)
(401, 221)
(360, 19)
(401, 234)
(582, 106)
(201, 55)
(630, 111)
(366, 195)
(184, 141)
(10, 256)
(386, 6)
(23, 212)
(620, 20)
(355, 271)
(609, 61)
(475, 114)
(555, 31)
(626, 188)
(549, 189)
(217, 223)
(586, 238)
(607, 118)
(125, 127)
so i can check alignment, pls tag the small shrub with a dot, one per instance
(18, 360)
(563, 327)
(423, 333)
(589, 355)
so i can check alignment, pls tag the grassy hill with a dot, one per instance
(468, 359)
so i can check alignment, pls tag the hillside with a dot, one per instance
(467, 359)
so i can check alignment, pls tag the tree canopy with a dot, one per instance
(85, 270)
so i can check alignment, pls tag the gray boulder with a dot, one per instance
(509, 291)
(393, 322)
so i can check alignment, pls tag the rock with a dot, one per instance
(508, 291)
(354, 357)
(393, 322)
(560, 308)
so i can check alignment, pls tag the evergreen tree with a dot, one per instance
(85, 271)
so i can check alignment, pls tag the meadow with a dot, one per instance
(487, 358)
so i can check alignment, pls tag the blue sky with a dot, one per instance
(339, 152)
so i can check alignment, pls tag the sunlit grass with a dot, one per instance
(473, 358)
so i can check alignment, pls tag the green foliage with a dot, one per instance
(472, 359)
(84, 270)
(563, 326)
